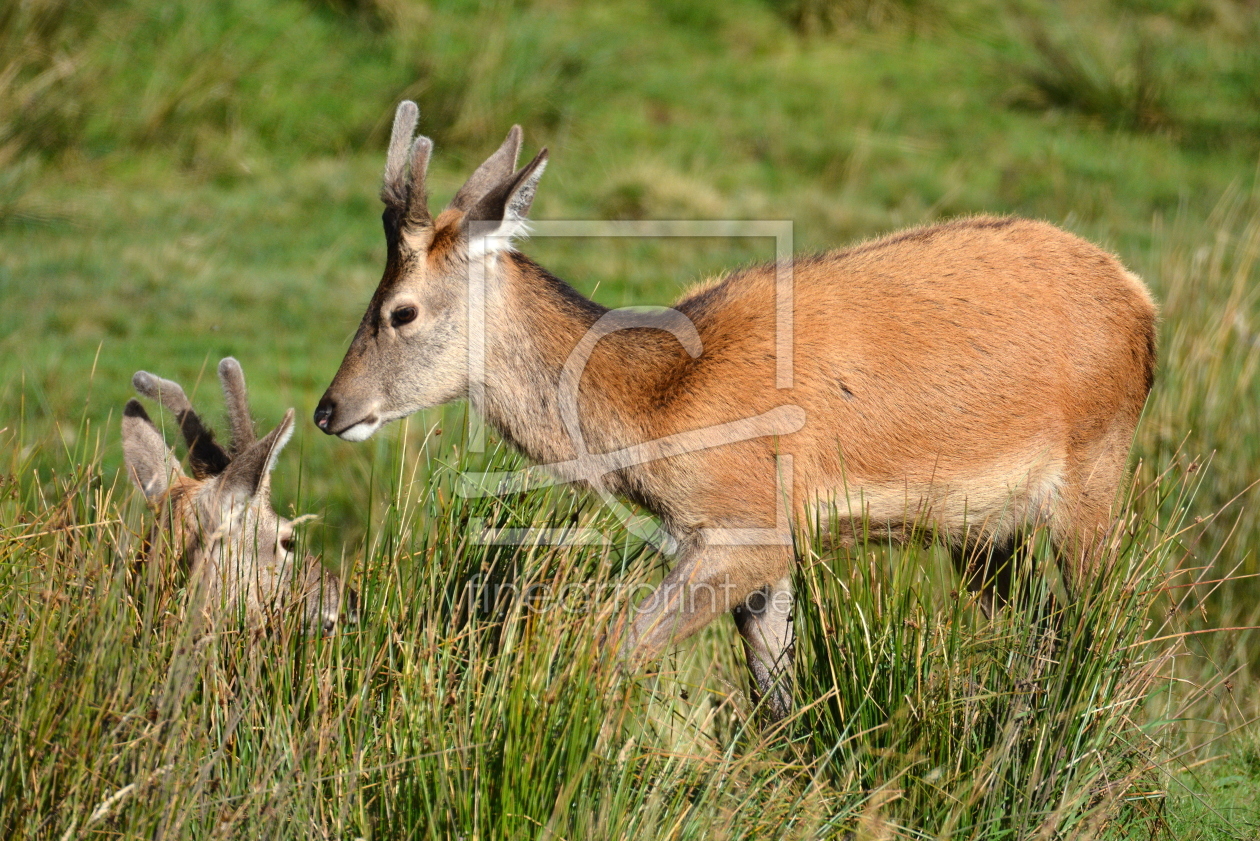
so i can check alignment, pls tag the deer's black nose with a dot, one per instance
(324, 413)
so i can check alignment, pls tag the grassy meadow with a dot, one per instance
(184, 181)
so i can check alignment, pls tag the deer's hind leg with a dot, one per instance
(991, 566)
(1082, 521)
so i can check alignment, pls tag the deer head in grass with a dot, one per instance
(219, 522)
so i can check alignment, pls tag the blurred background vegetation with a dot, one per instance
(181, 181)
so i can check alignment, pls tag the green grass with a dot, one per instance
(476, 698)
(180, 182)
(1039, 723)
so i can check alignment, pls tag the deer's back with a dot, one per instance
(974, 348)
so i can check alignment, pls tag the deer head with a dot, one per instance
(411, 349)
(219, 522)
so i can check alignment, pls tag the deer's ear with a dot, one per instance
(494, 171)
(503, 212)
(248, 472)
(150, 463)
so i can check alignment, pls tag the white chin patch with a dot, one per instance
(360, 431)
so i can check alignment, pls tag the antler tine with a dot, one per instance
(394, 191)
(418, 203)
(206, 456)
(237, 399)
(166, 392)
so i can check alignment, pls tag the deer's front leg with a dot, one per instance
(764, 621)
(707, 581)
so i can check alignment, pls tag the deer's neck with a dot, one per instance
(536, 325)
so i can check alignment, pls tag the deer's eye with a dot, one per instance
(403, 315)
(287, 544)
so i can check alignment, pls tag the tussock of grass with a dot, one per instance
(1112, 77)
(37, 56)
(1132, 68)
(811, 17)
(1029, 725)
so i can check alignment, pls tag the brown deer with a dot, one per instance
(971, 380)
(220, 522)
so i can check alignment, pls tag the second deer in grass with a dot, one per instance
(972, 379)
(219, 522)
